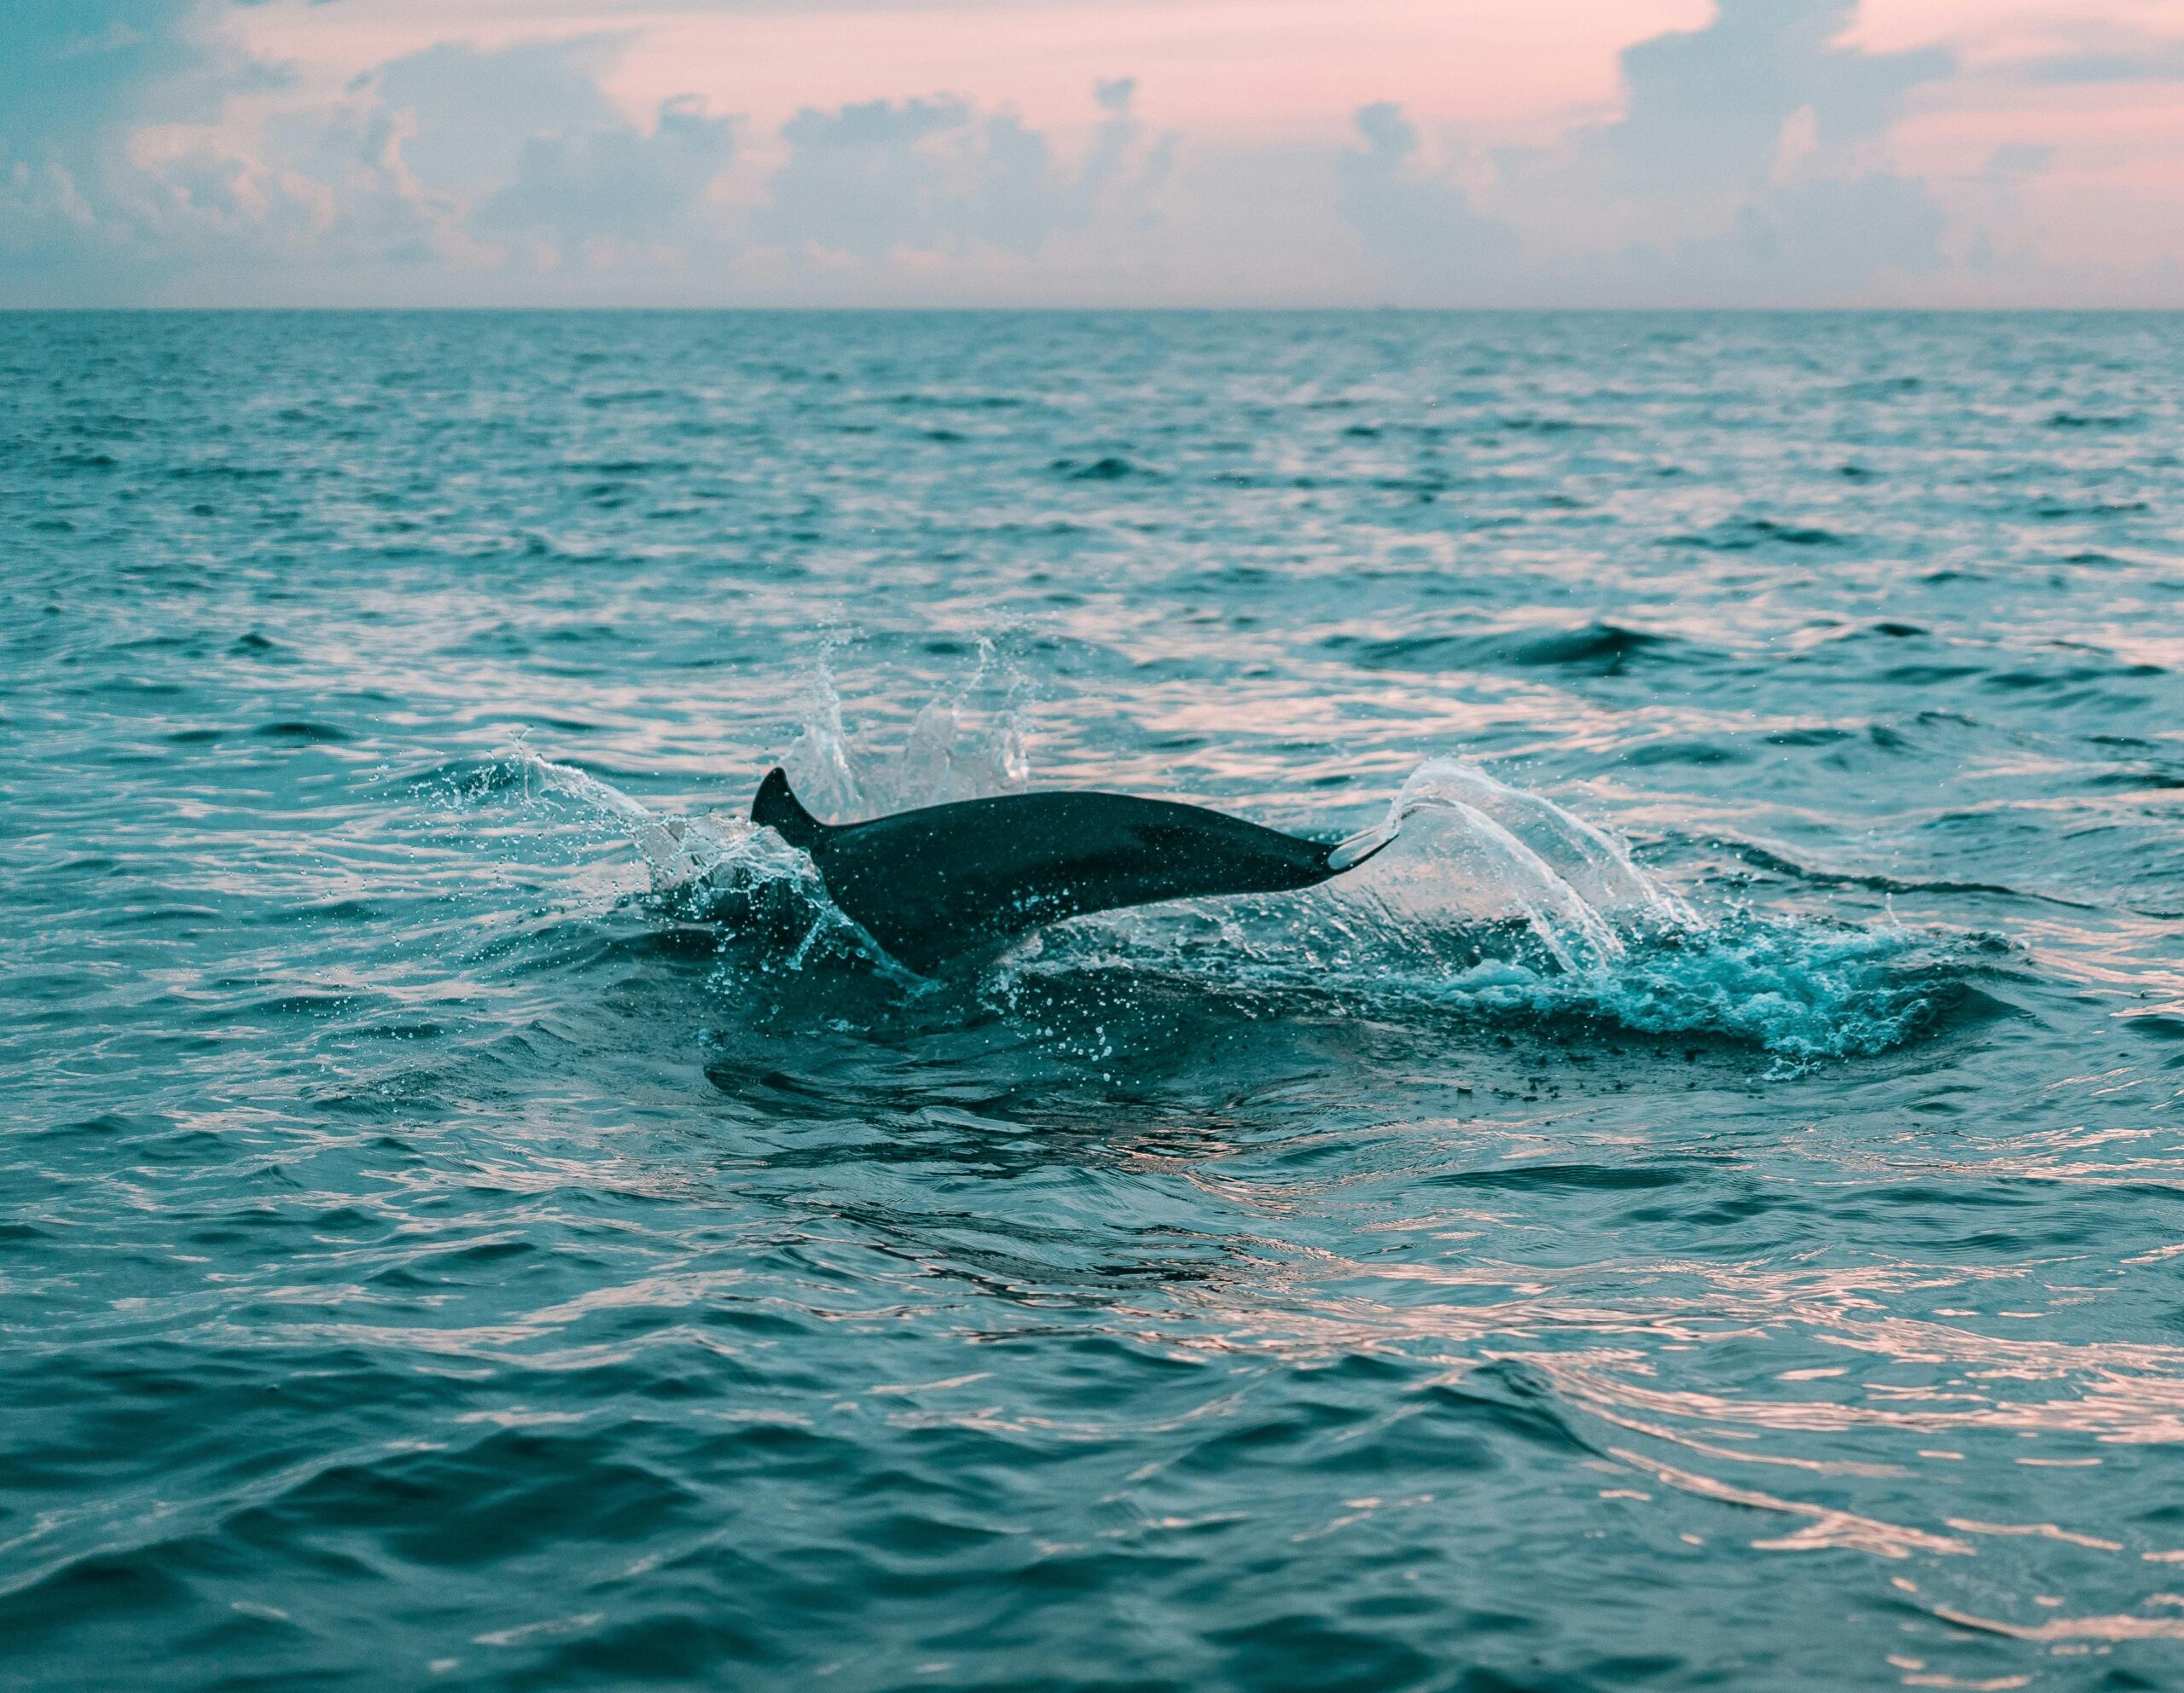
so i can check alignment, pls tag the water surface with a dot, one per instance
(1702, 1210)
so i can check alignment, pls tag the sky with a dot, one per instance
(1189, 153)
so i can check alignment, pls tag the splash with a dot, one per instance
(818, 759)
(967, 742)
(1801, 991)
(676, 850)
(1490, 901)
(719, 869)
(1473, 846)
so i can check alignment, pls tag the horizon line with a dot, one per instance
(1171, 311)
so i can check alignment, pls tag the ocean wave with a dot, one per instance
(1595, 648)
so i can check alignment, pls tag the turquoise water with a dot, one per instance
(1704, 1209)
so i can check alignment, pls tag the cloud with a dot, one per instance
(868, 178)
(465, 149)
(1749, 164)
(1421, 224)
(442, 160)
(2067, 68)
(1818, 240)
(477, 173)
(147, 156)
(2101, 52)
(613, 182)
(76, 83)
(475, 110)
(874, 180)
(1750, 160)
(1706, 108)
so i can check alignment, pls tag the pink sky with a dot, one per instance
(2034, 154)
(1234, 69)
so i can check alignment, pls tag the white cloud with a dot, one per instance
(1419, 224)
(935, 176)
(1749, 166)
(613, 182)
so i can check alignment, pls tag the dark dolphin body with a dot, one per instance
(947, 880)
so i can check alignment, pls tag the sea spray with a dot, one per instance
(969, 741)
(1492, 902)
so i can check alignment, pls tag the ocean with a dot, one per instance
(1704, 1209)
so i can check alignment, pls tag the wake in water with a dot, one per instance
(1491, 902)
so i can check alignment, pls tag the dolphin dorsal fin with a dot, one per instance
(778, 809)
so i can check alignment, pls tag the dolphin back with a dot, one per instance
(949, 880)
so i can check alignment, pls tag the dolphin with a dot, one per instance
(948, 881)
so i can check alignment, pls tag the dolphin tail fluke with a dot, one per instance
(778, 809)
(1353, 852)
